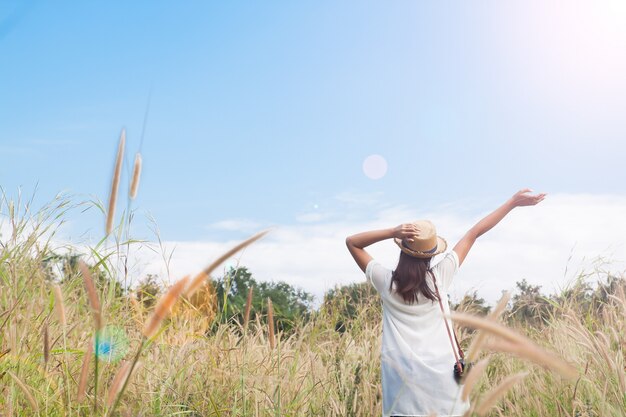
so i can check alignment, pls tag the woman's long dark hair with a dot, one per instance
(410, 278)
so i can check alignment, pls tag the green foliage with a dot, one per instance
(345, 303)
(472, 303)
(530, 306)
(290, 304)
(148, 291)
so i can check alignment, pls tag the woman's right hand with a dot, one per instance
(523, 198)
(406, 231)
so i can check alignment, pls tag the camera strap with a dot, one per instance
(450, 333)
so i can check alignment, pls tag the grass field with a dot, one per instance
(48, 323)
(563, 356)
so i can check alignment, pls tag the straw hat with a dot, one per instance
(426, 244)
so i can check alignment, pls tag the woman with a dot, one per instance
(418, 353)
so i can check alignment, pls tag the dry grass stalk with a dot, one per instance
(199, 279)
(58, 304)
(46, 344)
(91, 294)
(477, 344)
(246, 315)
(117, 173)
(534, 354)
(604, 345)
(489, 326)
(84, 370)
(164, 307)
(500, 307)
(120, 378)
(473, 376)
(270, 322)
(492, 397)
(25, 391)
(134, 184)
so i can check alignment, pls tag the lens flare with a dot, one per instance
(375, 167)
(111, 344)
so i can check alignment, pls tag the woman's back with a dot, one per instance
(417, 355)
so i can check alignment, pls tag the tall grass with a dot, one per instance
(314, 371)
(572, 364)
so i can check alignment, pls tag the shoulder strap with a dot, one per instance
(450, 333)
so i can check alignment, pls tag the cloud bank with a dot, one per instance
(547, 245)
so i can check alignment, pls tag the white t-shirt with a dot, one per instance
(417, 358)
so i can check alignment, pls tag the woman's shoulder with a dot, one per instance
(446, 268)
(378, 275)
(449, 262)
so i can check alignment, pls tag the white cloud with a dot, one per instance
(533, 243)
(242, 225)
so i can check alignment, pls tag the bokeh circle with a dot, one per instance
(375, 167)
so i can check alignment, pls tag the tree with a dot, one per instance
(290, 304)
(472, 304)
(148, 291)
(529, 305)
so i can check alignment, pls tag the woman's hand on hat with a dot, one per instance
(406, 231)
(523, 198)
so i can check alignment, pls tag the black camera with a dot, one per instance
(459, 370)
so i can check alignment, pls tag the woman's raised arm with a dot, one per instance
(357, 243)
(521, 198)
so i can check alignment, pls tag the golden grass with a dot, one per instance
(29, 396)
(270, 323)
(491, 398)
(58, 304)
(478, 341)
(134, 184)
(123, 374)
(115, 183)
(317, 370)
(84, 373)
(246, 314)
(535, 354)
(46, 344)
(203, 276)
(92, 294)
(472, 377)
(164, 307)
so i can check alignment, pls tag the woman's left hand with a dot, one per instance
(406, 231)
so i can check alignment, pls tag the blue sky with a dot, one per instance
(262, 113)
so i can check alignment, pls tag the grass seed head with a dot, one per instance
(58, 304)
(122, 374)
(535, 354)
(164, 307)
(491, 398)
(46, 344)
(477, 343)
(25, 391)
(115, 182)
(246, 315)
(473, 376)
(84, 370)
(270, 322)
(134, 184)
(91, 294)
(488, 326)
(199, 279)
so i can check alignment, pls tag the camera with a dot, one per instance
(459, 370)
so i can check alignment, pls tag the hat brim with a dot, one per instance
(442, 245)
